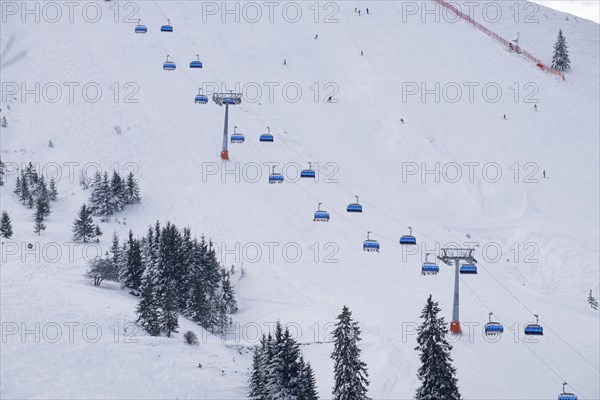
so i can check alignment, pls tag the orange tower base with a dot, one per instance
(224, 155)
(455, 327)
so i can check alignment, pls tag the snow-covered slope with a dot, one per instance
(547, 229)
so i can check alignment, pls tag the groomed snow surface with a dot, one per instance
(546, 229)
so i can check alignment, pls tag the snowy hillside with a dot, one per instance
(428, 93)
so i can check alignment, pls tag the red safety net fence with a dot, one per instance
(500, 39)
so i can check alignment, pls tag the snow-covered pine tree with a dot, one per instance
(437, 375)
(147, 310)
(24, 193)
(101, 201)
(97, 233)
(211, 275)
(42, 196)
(118, 192)
(219, 321)
(84, 181)
(256, 384)
(18, 186)
(30, 201)
(52, 192)
(168, 318)
(132, 266)
(1, 173)
(350, 373)
(292, 369)
(147, 245)
(308, 384)
(169, 259)
(198, 305)
(39, 215)
(107, 206)
(96, 194)
(560, 58)
(273, 365)
(205, 282)
(592, 301)
(83, 227)
(115, 251)
(132, 190)
(6, 225)
(282, 368)
(32, 177)
(183, 283)
(228, 296)
(266, 356)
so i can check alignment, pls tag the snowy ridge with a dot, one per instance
(172, 143)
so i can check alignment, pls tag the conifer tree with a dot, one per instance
(1, 173)
(97, 233)
(198, 305)
(30, 201)
(592, 301)
(31, 175)
(560, 58)
(52, 191)
(221, 320)
(148, 311)
(132, 190)
(211, 273)
(96, 194)
(101, 201)
(133, 268)
(228, 296)
(118, 193)
(24, 193)
(168, 320)
(42, 197)
(308, 388)
(350, 373)
(282, 367)
(83, 227)
(169, 245)
(256, 387)
(18, 184)
(186, 276)
(437, 375)
(115, 252)
(292, 368)
(39, 215)
(275, 375)
(6, 226)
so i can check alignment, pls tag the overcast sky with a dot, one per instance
(582, 8)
